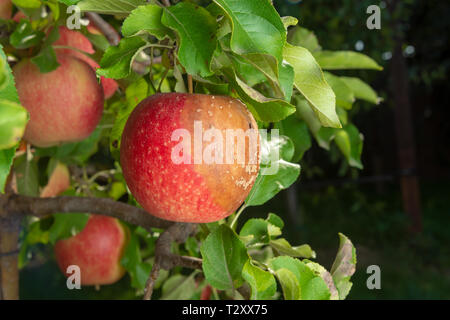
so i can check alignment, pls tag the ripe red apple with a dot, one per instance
(206, 293)
(65, 105)
(18, 16)
(5, 9)
(96, 250)
(77, 40)
(58, 182)
(191, 191)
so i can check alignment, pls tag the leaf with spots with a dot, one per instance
(344, 266)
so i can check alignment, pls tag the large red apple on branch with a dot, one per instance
(190, 157)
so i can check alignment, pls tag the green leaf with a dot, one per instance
(276, 173)
(275, 220)
(297, 131)
(263, 108)
(54, 7)
(283, 247)
(325, 275)
(179, 287)
(46, 60)
(24, 36)
(309, 80)
(67, 225)
(8, 92)
(312, 287)
(343, 115)
(256, 27)
(116, 62)
(135, 93)
(132, 262)
(76, 152)
(262, 283)
(33, 235)
(361, 90)
(344, 266)
(13, 118)
(146, 19)
(289, 284)
(8, 89)
(350, 142)
(3, 73)
(336, 60)
(110, 6)
(6, 161)
(286, 80)
(26, 171)
(303, 37)
(344, 95)
(258, 229)
(196, 29)
(69, 2)
(246, 70)
(28, 4)
(224, 256)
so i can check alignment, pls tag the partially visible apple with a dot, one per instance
(65, 105)
(96, 250)
(190, 191)
(18, 16)
(79, 41)
(5, 9)
(58, 182)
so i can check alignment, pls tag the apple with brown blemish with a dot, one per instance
(96, 250)
(65, 105)
(190, 157)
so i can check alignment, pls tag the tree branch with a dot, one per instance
(110, 33)
(13, 205)
(9, 238)
(165, 259)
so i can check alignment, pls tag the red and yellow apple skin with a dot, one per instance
(197, 193)
(79, 41)
(5, 9)
(65, 105)
(96, 250)
(58, 182)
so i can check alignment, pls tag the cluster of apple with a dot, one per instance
(66, 105)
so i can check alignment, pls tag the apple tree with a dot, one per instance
(61, 170)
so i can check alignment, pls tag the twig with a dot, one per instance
(165, 259)
(190, 84)
(166, 3)
(14, 205)
(110, 33)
